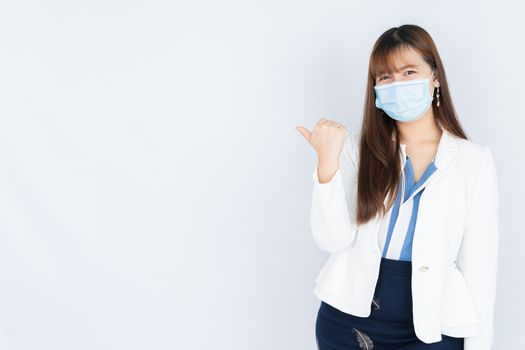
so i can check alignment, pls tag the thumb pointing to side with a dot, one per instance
(305, 132)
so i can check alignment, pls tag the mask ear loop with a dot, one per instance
(437, 93)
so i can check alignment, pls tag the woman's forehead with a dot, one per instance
(399, 60)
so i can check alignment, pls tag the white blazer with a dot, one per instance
(454, 249)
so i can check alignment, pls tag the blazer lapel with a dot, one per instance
(446, 155)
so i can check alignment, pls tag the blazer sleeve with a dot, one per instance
(478, 255)
(332, 215)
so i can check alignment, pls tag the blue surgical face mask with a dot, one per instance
(404, 100)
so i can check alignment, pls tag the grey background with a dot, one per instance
(153, 191)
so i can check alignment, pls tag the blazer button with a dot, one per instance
(423, 268)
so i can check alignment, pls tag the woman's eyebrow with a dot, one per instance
(408, 66)
(400, 68)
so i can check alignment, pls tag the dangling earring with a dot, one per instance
(438, 96)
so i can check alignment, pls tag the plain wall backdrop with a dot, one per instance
(154, 193)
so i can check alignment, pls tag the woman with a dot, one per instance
(408, 210)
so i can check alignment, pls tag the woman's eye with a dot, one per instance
(410, 71)
(383, 76)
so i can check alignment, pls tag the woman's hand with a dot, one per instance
(327, 138)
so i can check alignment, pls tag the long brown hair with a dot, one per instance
(379, 166)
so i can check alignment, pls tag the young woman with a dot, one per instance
(408, 210)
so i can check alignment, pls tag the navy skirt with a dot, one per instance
(390, 324)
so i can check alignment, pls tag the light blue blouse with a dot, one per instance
(405, 252)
